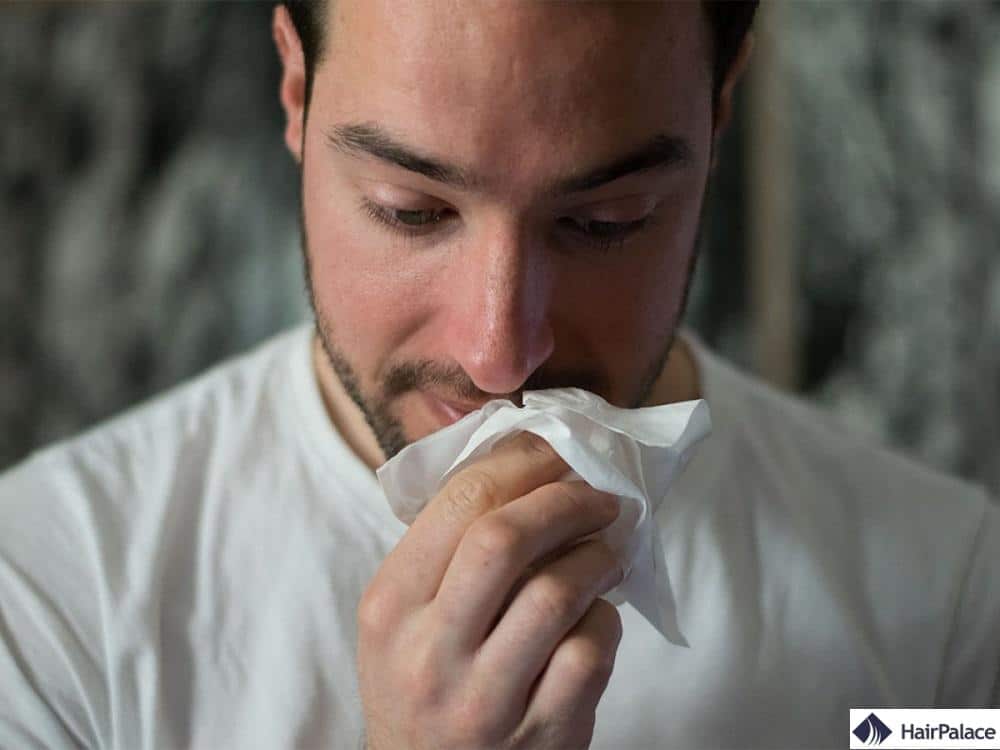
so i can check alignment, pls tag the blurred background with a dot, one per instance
(148, 214)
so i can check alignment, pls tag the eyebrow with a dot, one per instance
(369, 139)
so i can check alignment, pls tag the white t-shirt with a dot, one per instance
(187, 575)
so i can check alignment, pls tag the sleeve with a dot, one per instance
(52, 690)
(971, 665)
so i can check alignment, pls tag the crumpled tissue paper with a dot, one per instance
(634, 454)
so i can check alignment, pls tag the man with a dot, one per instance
(496, 197)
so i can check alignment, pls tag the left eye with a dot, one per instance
(603, 230)
(417, 218)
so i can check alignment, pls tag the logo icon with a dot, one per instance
(872, 731)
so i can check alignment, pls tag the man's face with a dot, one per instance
(500, 197)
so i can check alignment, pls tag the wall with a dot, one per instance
(148, 213)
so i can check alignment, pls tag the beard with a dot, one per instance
(403, 377)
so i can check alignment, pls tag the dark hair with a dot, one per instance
(729, 19)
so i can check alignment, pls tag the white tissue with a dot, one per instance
(634, 454)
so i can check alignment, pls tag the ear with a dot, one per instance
(724, 107)
(293, 79)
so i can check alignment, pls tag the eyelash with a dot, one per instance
(607, 237)
(389, 218)
(610, 236)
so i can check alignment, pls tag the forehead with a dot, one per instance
(517, 85)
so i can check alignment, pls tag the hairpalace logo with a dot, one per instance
(872, 731)
(924, 728)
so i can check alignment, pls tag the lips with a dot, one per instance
(448, 412)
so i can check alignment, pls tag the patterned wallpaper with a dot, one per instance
(148, 213)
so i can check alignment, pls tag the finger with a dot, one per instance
(499, 547)
(577, 675)
(547, 607)
(514, 468)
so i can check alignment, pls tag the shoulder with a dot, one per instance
(797, 445)
(133, 448)
(104, 482)
(87, 525)
(912, 548)
(848, 489)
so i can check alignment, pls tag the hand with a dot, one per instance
(482, 628)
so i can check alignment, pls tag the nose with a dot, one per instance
(499, 321)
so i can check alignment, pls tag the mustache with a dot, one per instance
(409, 376)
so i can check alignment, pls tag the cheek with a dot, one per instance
(356, 275)
(625, 308)
(626, 314)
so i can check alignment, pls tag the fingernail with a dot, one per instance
(625, 568)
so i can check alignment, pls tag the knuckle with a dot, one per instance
(378, 612)
(494, 538)
(533, 445)
(477, 723)
(553, 600)
(471, 492)
(578, 498)
(572, 495)
(587, 661)
(422, 680)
